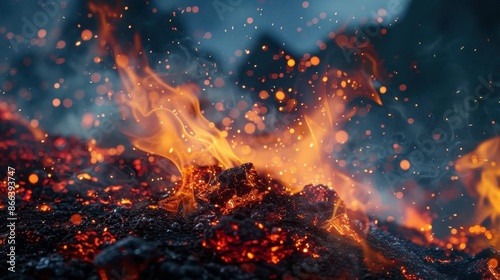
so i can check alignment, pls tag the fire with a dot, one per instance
(194, 181)
(7, 112)
(44, 208)
(167, 120)
(480, 171)
(303, 153)
(422, 222)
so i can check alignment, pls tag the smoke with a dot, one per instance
(235, 25)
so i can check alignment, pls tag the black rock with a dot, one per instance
(50, 267)
(238, 181)
(126, 258)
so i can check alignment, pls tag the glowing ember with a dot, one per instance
(269, 225)
(244, 241)
(87, 244)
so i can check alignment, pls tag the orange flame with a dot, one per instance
(422, 222)
(303, 153)
(9, 114)
(480, 171)
(168, 121)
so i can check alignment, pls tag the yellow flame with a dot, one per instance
(173, 125)
(480, 171)
(302, 153)
(166, 120)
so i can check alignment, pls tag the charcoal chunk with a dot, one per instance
(316, 204)
(238, 187)
(50, 267)
(171, 270)
(238, 181)
(126, 258)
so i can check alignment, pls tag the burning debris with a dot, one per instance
(241, 228)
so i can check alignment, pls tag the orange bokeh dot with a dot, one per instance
(76, 219)
(86, 35)
(56, 102)
(42, 33)
(280, 95)
(383, 89)
(87, 120)
(101, 89)
(263, 94)
(493, 263)
(226, 121)
(405, 164)
(219, 82)
(249, 128)
(315, 61)
(34, 123)
(95, 77)
(67, 103)
(61, 44)
(341, 136)
(33, 178)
